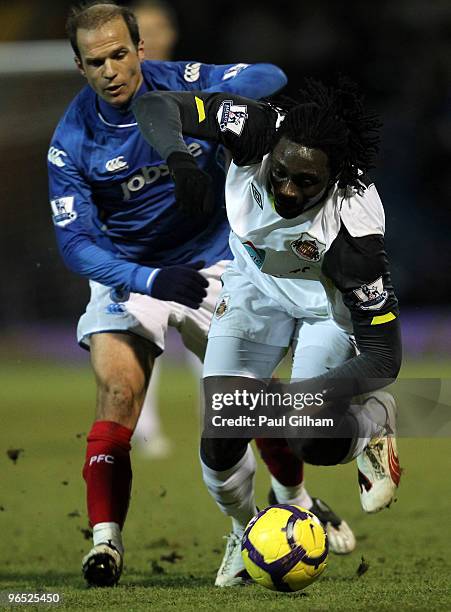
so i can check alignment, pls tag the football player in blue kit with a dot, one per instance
(149, 263)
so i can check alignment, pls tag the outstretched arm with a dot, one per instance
(249, 80)
(241, 124)
(244, 126)
(72, 205)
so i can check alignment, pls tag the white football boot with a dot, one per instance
(341, 537)
(378, 466)
(232, 571)
(102, 566)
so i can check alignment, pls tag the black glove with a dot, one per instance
(182, 284)
(193, 186)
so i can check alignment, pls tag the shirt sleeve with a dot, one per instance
(242, 125)
(248, 80)
(359, 268)
(72, 210)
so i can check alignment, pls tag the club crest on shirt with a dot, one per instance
(308, 248)
(372, 296)
(222, 306)
(232, 117)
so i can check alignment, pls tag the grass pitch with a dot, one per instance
(173, 535)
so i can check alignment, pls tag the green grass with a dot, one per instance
(46, 411)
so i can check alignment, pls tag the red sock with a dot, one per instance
(280, 460)
(108, 473)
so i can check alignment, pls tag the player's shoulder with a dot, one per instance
(74, 129)
(361, 210)
(172, 75)
(77, 117)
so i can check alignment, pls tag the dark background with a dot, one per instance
(398, 51)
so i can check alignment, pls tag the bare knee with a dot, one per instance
(118, 399)
(122, 365)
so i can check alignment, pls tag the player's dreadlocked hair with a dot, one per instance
(333, 119)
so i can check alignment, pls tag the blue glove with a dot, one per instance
(182, 284)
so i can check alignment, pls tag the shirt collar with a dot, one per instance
(119, 117)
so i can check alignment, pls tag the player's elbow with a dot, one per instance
(70, 253)
(386, 364)
(273, 78)
(394, 352)
(382, 348)
(277, 74)
(391, 367)
(395, 364)
(69, 258)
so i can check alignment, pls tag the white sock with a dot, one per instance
(371, 418)
(233, 490)
(104, 532)
(239, 527)
(296, 494)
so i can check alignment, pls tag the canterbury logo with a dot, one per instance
(192, 72)
(118, 163)
(393, 463)
(101, 459)
(55, 157)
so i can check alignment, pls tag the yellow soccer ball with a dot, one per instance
(285, 548)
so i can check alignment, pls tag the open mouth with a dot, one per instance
(114, 89)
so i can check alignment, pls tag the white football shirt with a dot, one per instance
(278, 253)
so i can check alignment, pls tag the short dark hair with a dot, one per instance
(94, 13)
(333, 119)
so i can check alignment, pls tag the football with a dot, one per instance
(285, 548)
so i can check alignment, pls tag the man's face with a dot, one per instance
(110, 61)
(299, 177)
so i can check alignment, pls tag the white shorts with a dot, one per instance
(150, 318)
(250, 333)
(317, 347)
(246, 311)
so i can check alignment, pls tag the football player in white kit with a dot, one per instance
(303, 217)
